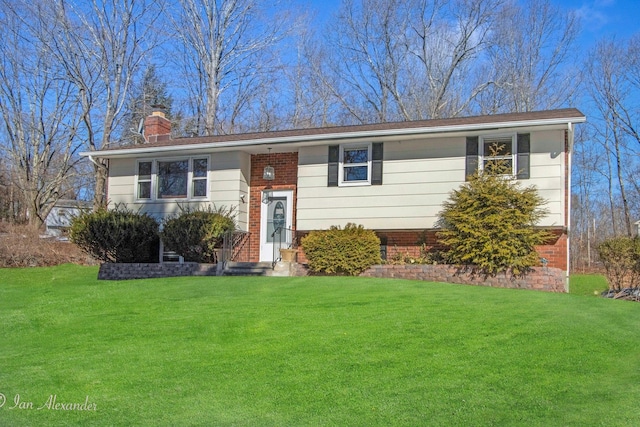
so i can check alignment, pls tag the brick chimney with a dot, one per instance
(157, 127)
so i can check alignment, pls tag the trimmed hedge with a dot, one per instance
(347, 251)
(118, 235)
(195, 234)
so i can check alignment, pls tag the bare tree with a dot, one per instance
(101, 46)
(38, 112)
(613, 91)
(405, 60)
(312, 94)
(448, 47)
(222, 42)
(530, 58)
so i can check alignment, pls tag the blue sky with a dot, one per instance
(619, 18)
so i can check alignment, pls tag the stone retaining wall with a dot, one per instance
(121, 271)
(539, 278)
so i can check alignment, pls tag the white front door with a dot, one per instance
(276, 220)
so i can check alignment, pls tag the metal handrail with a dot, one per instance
(277, 245)
(232, 243)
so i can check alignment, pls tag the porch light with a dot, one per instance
(269, 173)
(266, 197)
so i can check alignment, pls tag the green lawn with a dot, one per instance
(311, 351)
(588, 284)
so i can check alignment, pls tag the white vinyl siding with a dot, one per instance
(228, 180)
(184, 178)
(419, 176)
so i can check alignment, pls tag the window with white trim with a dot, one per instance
(513, 151)
(200, 177)
(355, 164)
(498, 153)
(144, 180)
(162, 179)
(173, 179)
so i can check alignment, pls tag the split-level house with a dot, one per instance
(389, 177)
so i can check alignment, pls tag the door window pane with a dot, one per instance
(276, 219)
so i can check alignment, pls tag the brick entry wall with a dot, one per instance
(286, 177)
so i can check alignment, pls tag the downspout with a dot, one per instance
(568, 198)
(93, 161)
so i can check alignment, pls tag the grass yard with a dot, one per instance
(310, 351)
(588, 284)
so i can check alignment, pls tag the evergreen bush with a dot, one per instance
(118, 235)
(195, 234)
(489, 223)
(347, 251)
(621, 259)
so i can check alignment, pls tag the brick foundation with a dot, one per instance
(409, 243)
(555, 252)
(539, 278)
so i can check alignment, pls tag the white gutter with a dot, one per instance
(330, 137)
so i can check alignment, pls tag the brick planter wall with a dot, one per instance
(539, 278)
(113, 271)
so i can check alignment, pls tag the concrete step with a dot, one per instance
(248, 269)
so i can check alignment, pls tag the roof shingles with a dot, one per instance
(567, 113)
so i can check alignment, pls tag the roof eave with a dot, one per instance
(128, 152)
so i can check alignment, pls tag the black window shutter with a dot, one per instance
(334, 158)
(522, 159)
(472, 156)
(377, 153)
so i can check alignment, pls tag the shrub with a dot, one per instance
(426, 257)
(118, 235)
(23, 246)
(195, 233)
(342, 251)
(489, 223)
(621, 259)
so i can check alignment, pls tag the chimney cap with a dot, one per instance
(158, 110)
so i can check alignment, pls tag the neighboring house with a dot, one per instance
(59, 219)
(389, 177)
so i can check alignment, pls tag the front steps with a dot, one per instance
(281, 268)
(248, 269)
